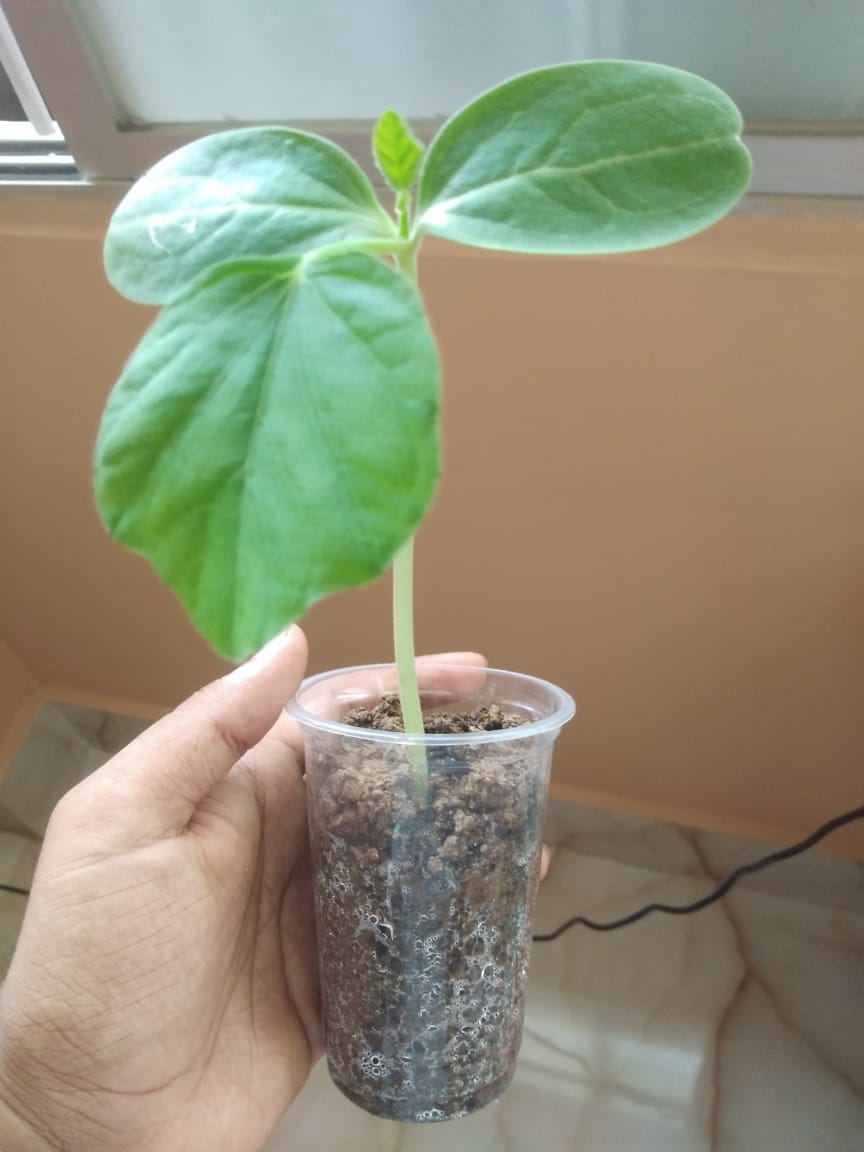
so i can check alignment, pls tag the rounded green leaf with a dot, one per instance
(604, 156)
(253, 192)
(273, 439)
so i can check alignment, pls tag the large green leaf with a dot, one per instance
(254, 192)
(604, 156)
(274, 438)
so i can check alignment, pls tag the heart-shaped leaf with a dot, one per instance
(604, 156)
(254, 192)
(274, 438)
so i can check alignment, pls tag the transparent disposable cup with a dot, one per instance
(426, 856)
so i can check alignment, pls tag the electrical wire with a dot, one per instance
(16, 891)
(718, 893)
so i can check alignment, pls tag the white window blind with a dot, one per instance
(32, 148)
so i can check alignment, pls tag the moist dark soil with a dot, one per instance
(425, 885)
(386, 716)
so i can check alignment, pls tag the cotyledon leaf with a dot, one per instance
(253, 192)
(602, 156)
(273, 439)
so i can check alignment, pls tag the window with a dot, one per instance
(32, 148)
(131, 79)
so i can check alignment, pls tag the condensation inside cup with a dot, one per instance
(425, 926)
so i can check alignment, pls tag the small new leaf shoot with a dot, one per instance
(397, 151)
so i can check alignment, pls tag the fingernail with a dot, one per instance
(264, 655)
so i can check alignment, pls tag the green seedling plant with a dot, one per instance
(274, 438)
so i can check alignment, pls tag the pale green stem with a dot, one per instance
(403, 214)
(403, 637)
(403, 565)
(389, 245)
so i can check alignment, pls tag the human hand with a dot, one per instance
(163, 994)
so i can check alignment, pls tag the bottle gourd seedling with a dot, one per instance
(274, 437)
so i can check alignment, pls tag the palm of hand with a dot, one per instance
(193, 1021)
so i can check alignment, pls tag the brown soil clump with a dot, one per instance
(386, 716)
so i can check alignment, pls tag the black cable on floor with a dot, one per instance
(718, 893)
(13, 889)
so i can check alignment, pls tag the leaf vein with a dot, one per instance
(439, 209)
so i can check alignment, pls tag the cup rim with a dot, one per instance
(563, 711)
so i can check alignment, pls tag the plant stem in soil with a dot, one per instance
(403, 565)
(403, 638)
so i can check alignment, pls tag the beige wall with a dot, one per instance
(653, 494)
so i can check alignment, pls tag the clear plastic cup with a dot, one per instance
(426, 857)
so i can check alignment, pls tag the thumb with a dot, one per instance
(155, 784)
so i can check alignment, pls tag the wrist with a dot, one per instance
(38, 1113)
(17, 1134)
(24, 1116)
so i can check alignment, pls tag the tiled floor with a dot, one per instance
(740, 1029)
(18, 855)
(63, 746)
